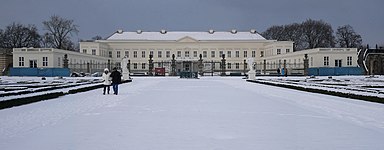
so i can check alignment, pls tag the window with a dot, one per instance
(178, 53)
(311, 61)
(127, 54)
(229, 66)
(195, 54)
(93, 51)
(118, 64)
(338, 63)
(229, 54)
(84, 50)
(167, 54)
(237, 54)
(45, 61)
(221, 53)
(186, 53)
(118, 54)
(253, 53)
(143, 66)
(349, 61)
(287, 50)
(261, 53)
(245, 54)
(21, 61)
(110, 54)
(32, 63)
(151, 53)
(326, 61)
(134, 54)
(59, 62)
(237, 65)
(134, 65)
(205, 54)
(159, 54)
(213, 54)
(142, 54)
(278, 51)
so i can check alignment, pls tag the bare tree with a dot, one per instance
(317, 34)
(59, 29)
(274, 33)
(347, 37)
(291, 32)
(17, 35)
(46, 41)
(1, 38)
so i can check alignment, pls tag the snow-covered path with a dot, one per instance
(210, 113)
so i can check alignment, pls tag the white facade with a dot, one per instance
(51, 58)
(186, 46)
(318, 57)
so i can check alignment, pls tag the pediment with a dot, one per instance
(187, 39)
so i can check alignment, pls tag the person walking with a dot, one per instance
(116, 79)
(106, 80)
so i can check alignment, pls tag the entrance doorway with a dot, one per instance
(32, 63)
(187, 66)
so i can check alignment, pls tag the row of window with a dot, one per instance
(278, 51)
(32, 63)
(159, 55)
(229, 65)
(93, 51)
(338, 62)
(187, 54)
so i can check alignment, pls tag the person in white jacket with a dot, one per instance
(106, 80)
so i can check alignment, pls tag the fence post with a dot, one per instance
(173, 66)
(200, 65)
(245, 67)
(265, 67)
(306, 65)
(285, 68)
(223, 65)
(65, 61)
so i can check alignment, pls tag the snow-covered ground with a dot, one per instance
(12, 88)
(211, 113)
(358, 85)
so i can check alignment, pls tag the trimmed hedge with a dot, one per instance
(37, 98)
(334, 93)
(28, 100)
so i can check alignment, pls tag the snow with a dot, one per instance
(358, 85)
(177, 35)
(216, 113)
(34, 86)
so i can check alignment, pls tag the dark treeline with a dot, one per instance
(314, 34)
(58, 34)
(306, 35)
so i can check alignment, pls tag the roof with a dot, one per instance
(177, 35)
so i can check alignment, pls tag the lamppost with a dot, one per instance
(150, 61)
(223, 65)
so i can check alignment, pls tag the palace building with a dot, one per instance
(186, 47)
(210, 52)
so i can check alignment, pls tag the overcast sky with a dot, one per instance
(103, 17)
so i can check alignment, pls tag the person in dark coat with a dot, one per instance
(116, 80)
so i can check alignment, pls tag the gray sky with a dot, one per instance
(103, 17)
